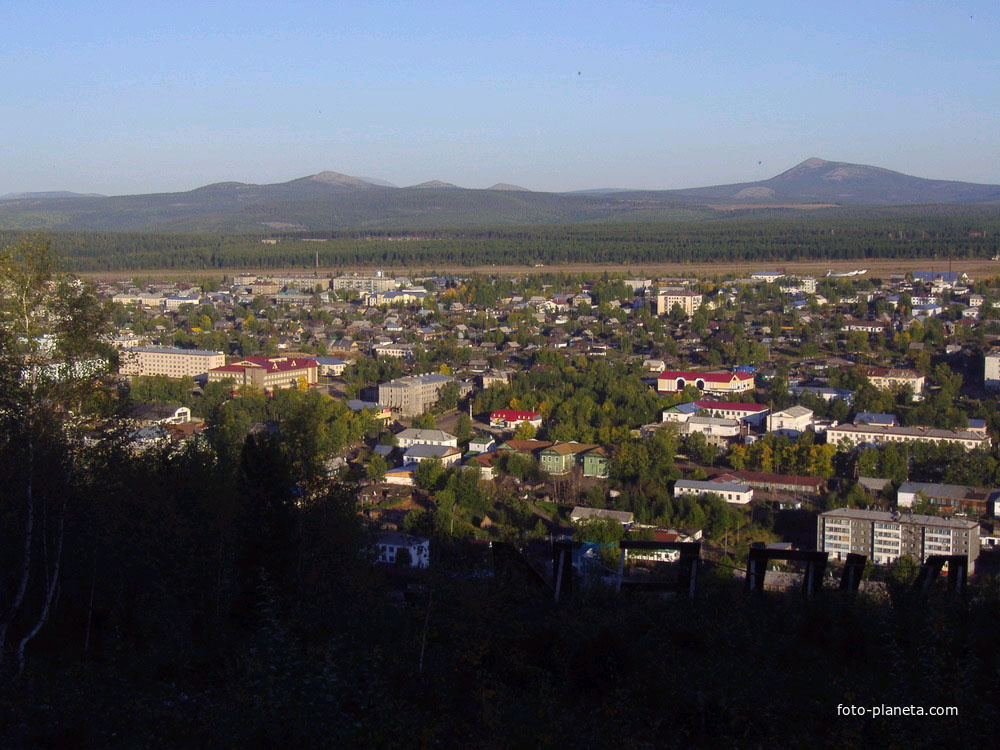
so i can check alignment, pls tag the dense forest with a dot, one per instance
(738, 238)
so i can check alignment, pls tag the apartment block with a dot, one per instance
(413, 395)
(688, 301)
(991, 370)
(885, 377)
(370, 284)
(884, 536)
(169, 361)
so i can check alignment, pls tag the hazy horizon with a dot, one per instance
(118, 100)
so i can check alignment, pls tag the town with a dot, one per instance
(843, 413)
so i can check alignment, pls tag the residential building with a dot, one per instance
(991, 370)
(169, 361)
(597, 463)
(561, 457)
(397, 351)
(331, 366)
(412, 395)
(268, 373)
(731, 492)
(687, 300)
(416, 454)
(413, 436)
(390, 544)
(494, 377)
(370, 284)
(850, 435)
(949, 497)
(673, 381)
(885, 536)
(791, 422)
(885, 377)
(482, 444)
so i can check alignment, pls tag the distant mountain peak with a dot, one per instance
(336, 178)
(813, 163)
(435, 184)
(508, 187)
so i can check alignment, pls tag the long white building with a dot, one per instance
(850, 435)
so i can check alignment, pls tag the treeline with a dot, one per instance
(972, 235)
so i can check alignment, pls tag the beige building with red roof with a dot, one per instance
(268, 373)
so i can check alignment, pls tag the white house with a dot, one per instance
(791, 421)
(389, 544)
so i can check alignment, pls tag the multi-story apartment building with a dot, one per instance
(169, 361)
(412, 395)
(370, 284)
(303, 282)
(688, 301)
(885, 377)
(991, 370)
(850, 435)
(268, 373)
(884, 536)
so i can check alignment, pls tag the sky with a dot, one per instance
(133, 97)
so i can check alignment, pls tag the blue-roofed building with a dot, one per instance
(330, 366)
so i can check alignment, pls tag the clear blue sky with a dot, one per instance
(124, 97)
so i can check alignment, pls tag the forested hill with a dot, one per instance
(813, 237)
(333, 201)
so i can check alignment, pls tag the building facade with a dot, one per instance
(850, 435)
(688, 301)
(169, 361)
(885, 536)
(673, 381)
(268, 373)
(413, 395)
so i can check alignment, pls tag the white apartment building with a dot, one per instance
(169, 361)
(991, 370)
(687, 300)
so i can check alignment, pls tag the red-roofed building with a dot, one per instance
(268, 373)
(512, 418)
(674, 381)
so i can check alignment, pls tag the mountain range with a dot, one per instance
(331, 200)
